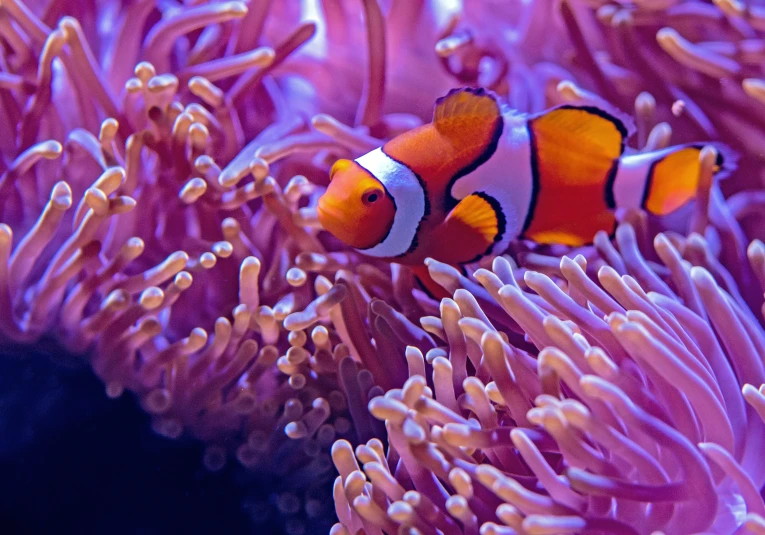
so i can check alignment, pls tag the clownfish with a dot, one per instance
(481, 175)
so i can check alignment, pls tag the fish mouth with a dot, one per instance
(329, 217)
(334, 221)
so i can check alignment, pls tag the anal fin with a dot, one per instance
(575, 232)
(428, 285)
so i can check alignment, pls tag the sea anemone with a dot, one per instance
(607, 390)
(160, 168)
(140, 213)
(621, 402)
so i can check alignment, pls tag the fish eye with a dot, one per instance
(371, 196)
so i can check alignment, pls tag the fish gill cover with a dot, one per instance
(161, 163)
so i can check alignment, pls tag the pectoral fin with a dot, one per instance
(471, 229)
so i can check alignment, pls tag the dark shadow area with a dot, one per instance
(74, 461)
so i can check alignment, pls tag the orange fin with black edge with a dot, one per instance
(673, 179)
(466, 102)
(466, 108)
(465, 131)
(471, 229)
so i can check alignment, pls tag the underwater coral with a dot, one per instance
(160, 163)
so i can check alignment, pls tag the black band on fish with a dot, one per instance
(609, 189)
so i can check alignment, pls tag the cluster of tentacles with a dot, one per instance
(160, 168)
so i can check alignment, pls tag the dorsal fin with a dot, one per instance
(592, 129)
(466, 129)
(467, 103)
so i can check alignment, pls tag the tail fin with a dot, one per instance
(673, 178)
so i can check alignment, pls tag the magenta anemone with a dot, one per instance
(160, 165)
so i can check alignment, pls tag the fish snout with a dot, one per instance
(335, 219)
(330, 217)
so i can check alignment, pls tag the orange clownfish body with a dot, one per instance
(479, 176)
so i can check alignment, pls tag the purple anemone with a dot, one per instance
(160, 163)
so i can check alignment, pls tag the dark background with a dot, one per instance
(74, 461)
